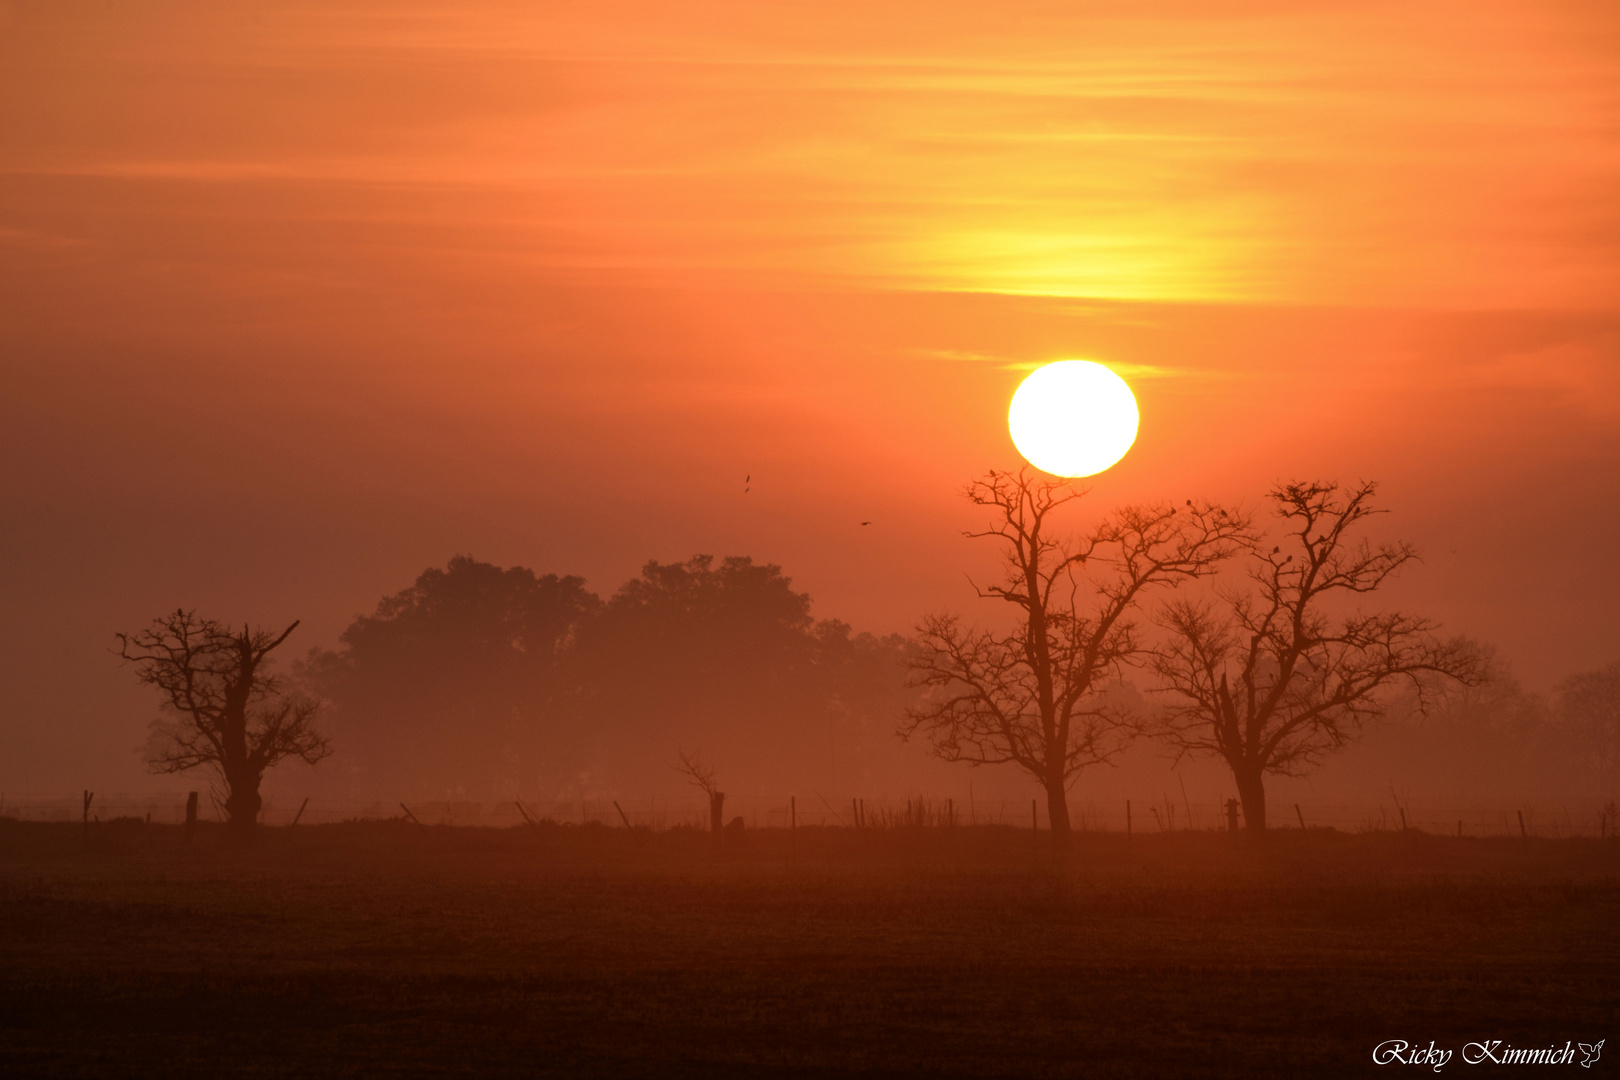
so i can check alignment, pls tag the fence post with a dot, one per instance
(191, 815)
(1034, 818)
(1127, 817)
(1231, 815)
(88, 795)
(1523, 835)
(300, 811)
(1300, 816)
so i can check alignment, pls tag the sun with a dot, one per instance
(1073, 418)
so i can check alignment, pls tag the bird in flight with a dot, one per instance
(866, 523)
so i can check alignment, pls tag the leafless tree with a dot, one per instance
(222, 707)
(1268, 677)
(1035, 696)
(702, 776)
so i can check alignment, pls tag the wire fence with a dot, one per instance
(1589, 818)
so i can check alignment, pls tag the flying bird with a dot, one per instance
(1593, 1051)
(866, 523)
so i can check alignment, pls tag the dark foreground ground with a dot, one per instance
(387, 949)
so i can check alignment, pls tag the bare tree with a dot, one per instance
(223, 708)
(1035, 696)
(1267, 677)
(702, 776)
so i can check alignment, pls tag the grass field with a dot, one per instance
(385, 949)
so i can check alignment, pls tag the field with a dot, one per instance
(385, 949)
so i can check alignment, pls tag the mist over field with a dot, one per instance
(808, 540)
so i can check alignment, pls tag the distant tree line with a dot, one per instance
(479, 679)
(1498, 740)
(1214, 630)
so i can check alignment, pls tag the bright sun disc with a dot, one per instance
(1073, 418)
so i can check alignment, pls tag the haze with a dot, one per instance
(300, 299)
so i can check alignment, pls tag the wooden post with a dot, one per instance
(1402, 809)
(191, 815)
(88, 795)
(1034, 819)
(1231, 815)
(1523, 835)
(300, 811)
(793, 814)
(1127, 817)
(950, 811)
(1300, 816)
(408, 813)
(622, 816)
(855, 812)
(527, 820)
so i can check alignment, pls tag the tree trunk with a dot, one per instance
(1057, 812)
(242, 803)
(717, 803)
(1252, 791)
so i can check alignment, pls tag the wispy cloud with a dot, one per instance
(1124, 368)
(1400, 154)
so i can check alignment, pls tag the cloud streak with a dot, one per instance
(1415, 154)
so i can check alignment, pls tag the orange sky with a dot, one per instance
(299, 298)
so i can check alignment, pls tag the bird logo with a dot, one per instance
(1592, 1051)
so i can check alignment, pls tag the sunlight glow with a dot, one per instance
(1073, 418)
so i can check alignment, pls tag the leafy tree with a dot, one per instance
(1037, 695)
(223, 708)
(1271, 678)
(457, 683)
(727, 655)
(1588, 704)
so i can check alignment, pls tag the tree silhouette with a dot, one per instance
(1589, 703)
(458, 681)
(702, 776)
(1268, 678)
(1035, 696)
(223, 708)
(725, 653)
